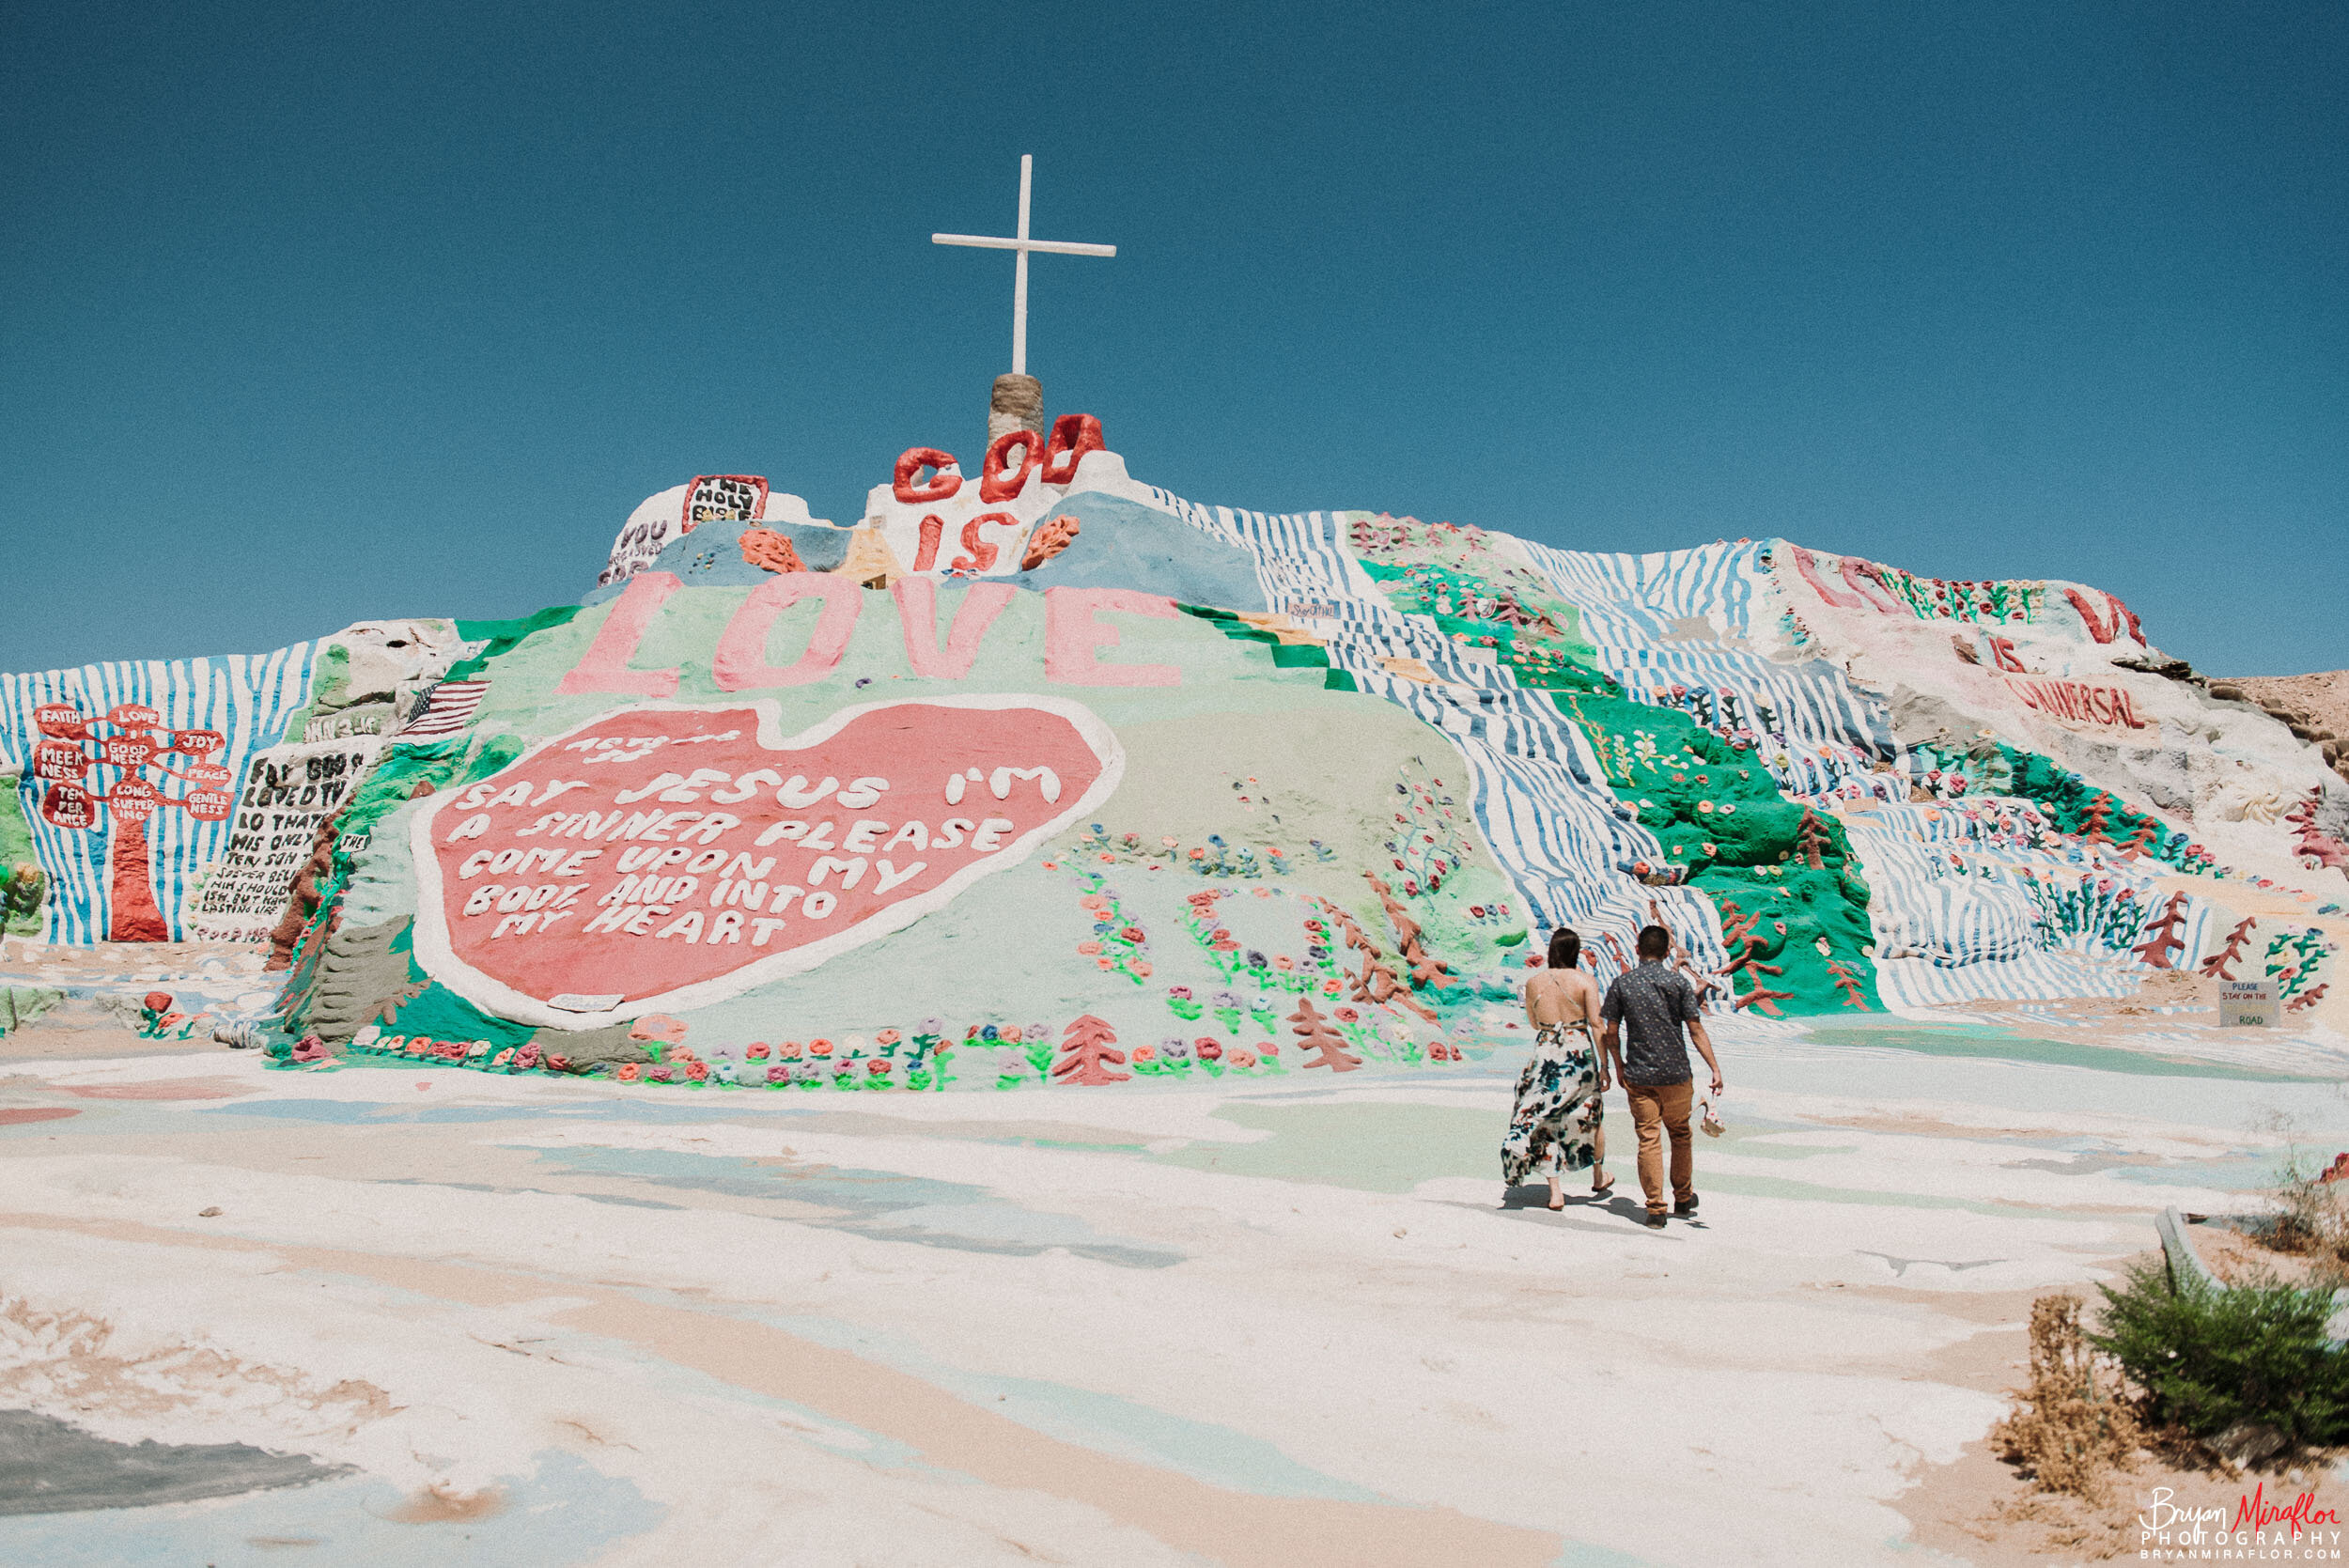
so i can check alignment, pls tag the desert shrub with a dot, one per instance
(2210, 1357)
(2071, 1427)
(20, 890)
(2311, 1218)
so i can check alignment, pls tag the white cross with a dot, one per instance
(1020, 275)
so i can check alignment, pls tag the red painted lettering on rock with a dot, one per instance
(672, 856)
(2080, 703)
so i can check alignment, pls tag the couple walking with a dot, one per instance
(1558, 1125)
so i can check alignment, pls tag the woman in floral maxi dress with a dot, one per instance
(1556, 1125)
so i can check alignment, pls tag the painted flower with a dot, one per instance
(1283, 961)
(990, 1031)
(1243, 1059)
(757, 1051)
(1089, 949)
(1141, 969)
(697, 1071)
(1347, 1015)
(629, 1072)
(788, 1050)
(1039, 1032)
(660, 1072)
(1176, 1050)
(778, 1074)
(1146, 1053)
(1133, 934)
(1180, 993)
(1198, 854)
(1268, 1048)
(888, 1037)
(819, 1047)
(856, 1045)
(1329, 988)
(805, 1073)
(525, 1058)
(1255, 959)
(880, 1066)
(1209, 1049)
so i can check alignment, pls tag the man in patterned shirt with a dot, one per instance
(1653, 1066)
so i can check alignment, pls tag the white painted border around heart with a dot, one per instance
(439, 958)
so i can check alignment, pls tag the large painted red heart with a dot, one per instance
(664, 856)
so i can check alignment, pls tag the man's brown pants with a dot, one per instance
(1656, 1110)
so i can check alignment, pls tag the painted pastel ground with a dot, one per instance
(515, 1320)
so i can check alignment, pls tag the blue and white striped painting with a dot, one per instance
(248, 698)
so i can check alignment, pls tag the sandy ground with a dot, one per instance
(1297, 1323)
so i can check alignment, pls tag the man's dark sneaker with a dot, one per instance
(1655, 1220)
(1682, 1211)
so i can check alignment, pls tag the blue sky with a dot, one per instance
(314, 313)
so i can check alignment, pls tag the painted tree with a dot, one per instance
(1739, 936)
(2095, 818)
(1314, 1033)
(1812, 841)
(1089, 1042)
(1854, 993)
(126, 744)
(2220, 964)
(2161, 937)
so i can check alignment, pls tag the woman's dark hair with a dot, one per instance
(1565, 948)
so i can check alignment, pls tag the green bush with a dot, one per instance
(2210, 1357)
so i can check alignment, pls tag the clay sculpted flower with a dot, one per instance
(661, 1074)
(1209, 1049)
(697, 1071)
(778, 1074)
(1243, 1059)
(880, 1066)
(757, 1050)
(629, 1072)
(819, 1047)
